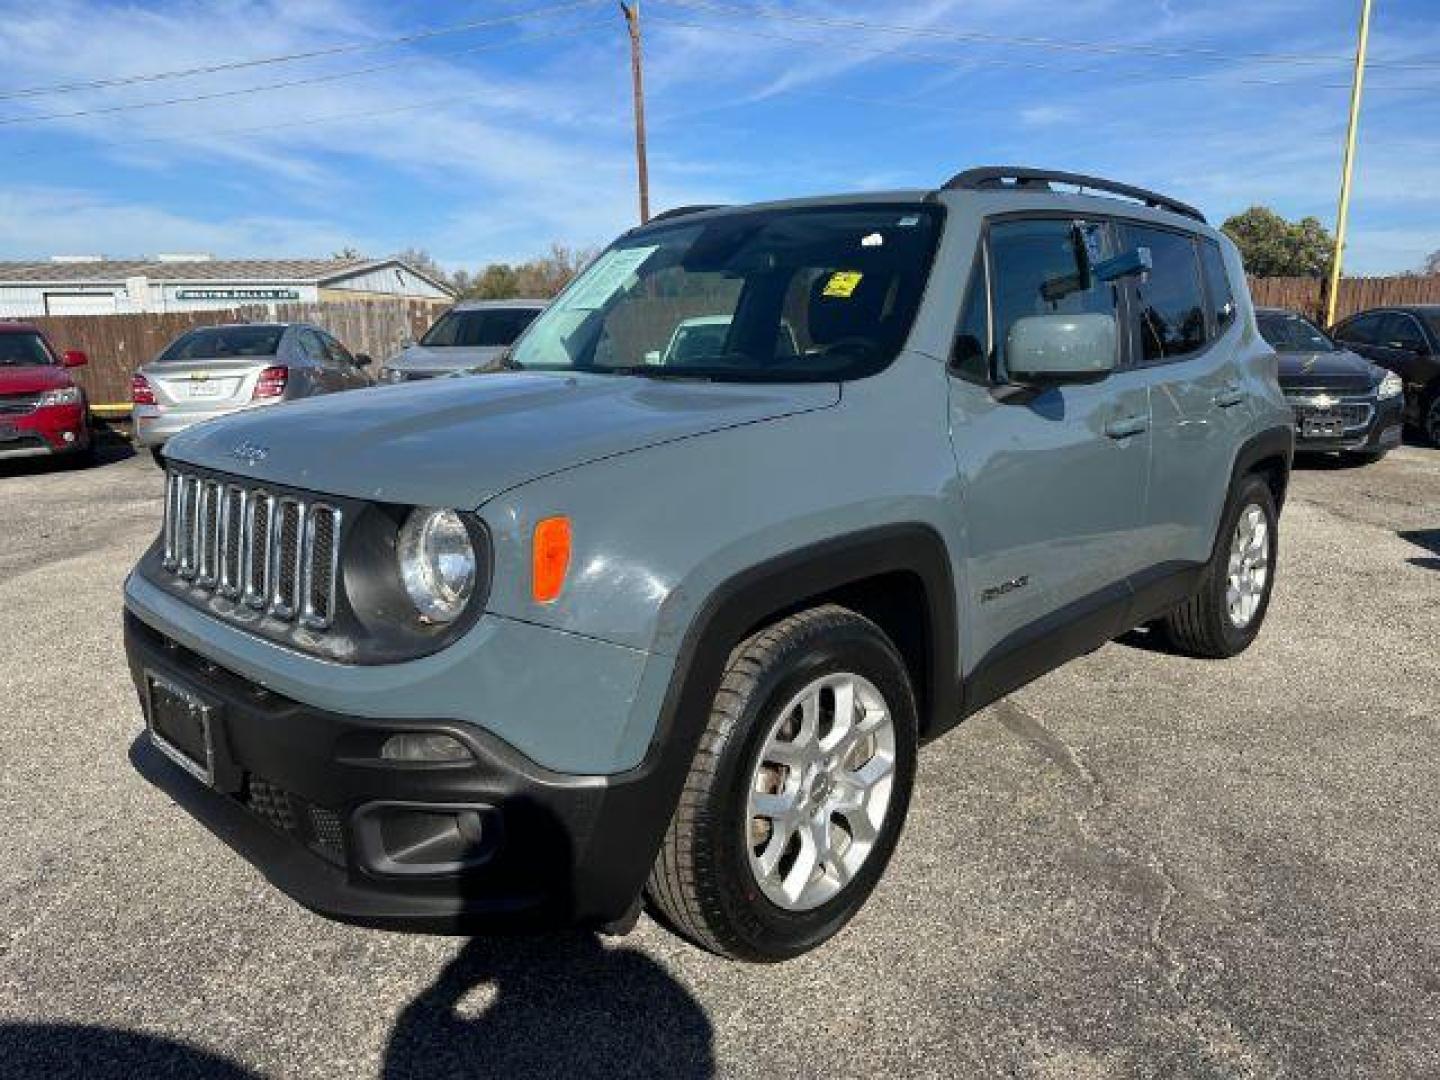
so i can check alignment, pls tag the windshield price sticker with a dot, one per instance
(843, 283)
(609, 275)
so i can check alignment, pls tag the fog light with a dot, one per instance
(68, 436)
(424, 747)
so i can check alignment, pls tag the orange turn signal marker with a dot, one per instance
(551, 558)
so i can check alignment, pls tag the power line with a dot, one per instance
(951, 59)
(978, 37)
(308, 80)
(286, 58)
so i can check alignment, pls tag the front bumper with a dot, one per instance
(1380, 429)
(297, 791)
(58, 429)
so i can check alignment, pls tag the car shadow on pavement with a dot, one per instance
(515, 1007)
(107, 452)
(78, 1050)
(561, 1005)
(1429, 539)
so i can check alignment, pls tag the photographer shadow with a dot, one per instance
(561, 1005)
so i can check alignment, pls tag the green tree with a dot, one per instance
(1274, 247)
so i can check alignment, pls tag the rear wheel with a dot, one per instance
(797, 794)
(1430, 417)
(1224, 615)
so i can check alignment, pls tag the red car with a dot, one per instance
(42, 410)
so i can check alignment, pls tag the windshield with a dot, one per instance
(813, 294)
(221, 341)
(24, 350)
(478, 329)
(1290, 333)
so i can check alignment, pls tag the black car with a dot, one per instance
(1406, 340)
(1341, 400)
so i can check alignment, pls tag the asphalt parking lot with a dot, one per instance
(1140, 865)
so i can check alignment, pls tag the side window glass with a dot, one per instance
(1169, 305)
(336, 353)
(1399, 331)
(310, 346)
(1217, 285)
(1361, 328)
(1042, 267)
(970, 359)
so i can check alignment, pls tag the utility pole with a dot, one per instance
(1342, 217)
(631, 12)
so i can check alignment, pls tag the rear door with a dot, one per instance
(1052, 482)
(1188, 344)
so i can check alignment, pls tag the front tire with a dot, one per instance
(1224, 615)
(798, 791)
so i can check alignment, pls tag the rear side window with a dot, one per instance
(1170, 306)
(1041, 267)
(1217, 285)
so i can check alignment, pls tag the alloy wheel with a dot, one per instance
(820, 791)
(1249, 567)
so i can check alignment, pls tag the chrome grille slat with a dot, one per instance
(279, 554)
(257, 549)
(186, 525)
(207, 534)
(321, 562)
(285, 556)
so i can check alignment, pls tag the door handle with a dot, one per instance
(1229, 395)
(1123, 427)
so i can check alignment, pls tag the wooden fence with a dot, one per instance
(118, 344)
(1307, 295)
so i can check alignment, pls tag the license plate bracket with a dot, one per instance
(181, 725)
(1322, 427)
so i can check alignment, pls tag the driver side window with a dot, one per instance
(1043, 267)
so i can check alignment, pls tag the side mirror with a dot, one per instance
(1047, 349)
(74, 358)
(362, 359)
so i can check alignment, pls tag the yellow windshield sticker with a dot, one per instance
(843, 283)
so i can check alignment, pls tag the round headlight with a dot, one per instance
(1390, 386)
(437, 563)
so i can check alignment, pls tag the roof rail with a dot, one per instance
(1018, 176)
(681, 211)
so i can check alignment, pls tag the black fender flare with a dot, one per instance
(640, 803)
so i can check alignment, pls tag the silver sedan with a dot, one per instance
(216, 370)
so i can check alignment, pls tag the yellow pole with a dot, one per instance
(1343, 216)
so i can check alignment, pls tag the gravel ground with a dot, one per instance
(1140, 865)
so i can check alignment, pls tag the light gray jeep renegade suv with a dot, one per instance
(525, 650)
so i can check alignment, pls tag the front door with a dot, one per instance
(1052, 483)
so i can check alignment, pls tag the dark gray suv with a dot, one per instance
(620, 626)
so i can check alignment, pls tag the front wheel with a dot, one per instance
(1224, 615)
(797, 794)
(1430, 417)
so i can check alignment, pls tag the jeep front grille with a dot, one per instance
(275, 553)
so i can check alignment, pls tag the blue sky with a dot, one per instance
(492, 143)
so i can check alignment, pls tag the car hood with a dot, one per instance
(32, 379)
(415, 358)
(459, 442)
(1342, 369)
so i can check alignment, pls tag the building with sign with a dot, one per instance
(94, 285)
